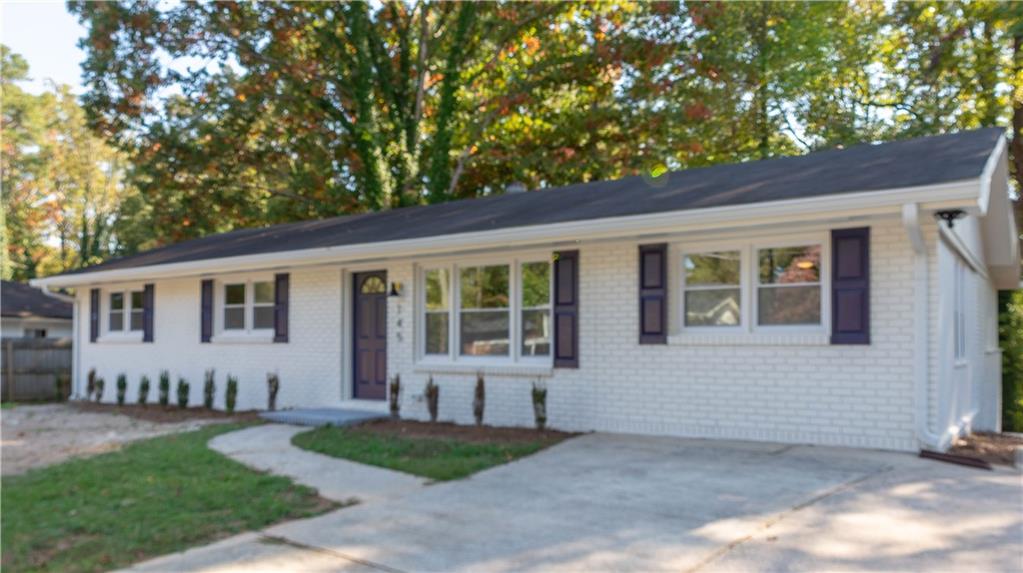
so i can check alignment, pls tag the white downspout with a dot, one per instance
(921, 319)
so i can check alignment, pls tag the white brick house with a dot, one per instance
(843, 298)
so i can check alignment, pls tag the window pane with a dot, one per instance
(485, 287)
(711, 269)
(234, 318)
(116, 301)
(789, 305)
(536, 284)
(136, 299)
(790, 265)
(437, 333)
(136, 320)
(373, 285)
(117, 320)
(484, 333)
(263, 317)
(234, 294)
(536, 332)
(264, 292)
(713, 307)
(438, 288)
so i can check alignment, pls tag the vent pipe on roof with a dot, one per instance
(516, 187)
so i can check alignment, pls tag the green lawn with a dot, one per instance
(153, 497)
(436, 458)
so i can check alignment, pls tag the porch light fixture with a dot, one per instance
(395, 289)
(950, 216)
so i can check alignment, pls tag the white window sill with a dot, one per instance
(486, 368)
(750, 339)
(243, 338)
(121, 338)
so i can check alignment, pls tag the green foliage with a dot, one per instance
(143, 390)
(394, 396)
(432, 393)
(63, 385)
(150, 498)
(435, 458)
(183, 389)
(539, 395)
(122, 388)
(231, 396)
(479, 400)
(99, 389)
(164, 388)
(209, 389)
(90, 387)
(273, 385)
(1010, 333)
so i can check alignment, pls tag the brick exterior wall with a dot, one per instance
(779, 388)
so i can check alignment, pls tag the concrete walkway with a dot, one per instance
(268, 448)
(628, 503)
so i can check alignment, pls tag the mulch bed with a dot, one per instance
(167, 414)
(993, 448)
(471, 434)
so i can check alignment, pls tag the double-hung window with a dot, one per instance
(248, 306)
(754, 287)
(125, 313)
(491, 311)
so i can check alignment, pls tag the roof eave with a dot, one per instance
(954, 195)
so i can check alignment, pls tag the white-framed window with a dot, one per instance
(712, 288)
(756, 285)
(788, 283)
(124, 311)
(486, 310)
(247, 306)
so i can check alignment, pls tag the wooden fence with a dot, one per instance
(30, 368)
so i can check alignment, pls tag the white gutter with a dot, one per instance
(960, 194)
(921, 318)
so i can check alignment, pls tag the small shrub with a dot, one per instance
(394, 395)
(63, 385)
(164, 388)
(182, 393)
(99, 389)
(479, 400)
(540, 405)
(273, 384)
(432, 394)
(144, 390)
(90, 387)
(209, 389)
(122, 388)
(231, 396)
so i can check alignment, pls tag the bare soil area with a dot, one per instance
(993, 448)
(166, 414)
(471, 434)
(33, 436)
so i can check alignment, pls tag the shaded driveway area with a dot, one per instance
(608, 502)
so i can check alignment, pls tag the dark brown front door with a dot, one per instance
(370, 335)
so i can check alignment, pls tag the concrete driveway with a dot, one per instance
(607, 502)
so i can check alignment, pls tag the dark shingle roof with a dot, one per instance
(922, 161)
(23, 301)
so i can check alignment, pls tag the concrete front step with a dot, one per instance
(321, 416)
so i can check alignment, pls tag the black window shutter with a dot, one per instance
(281, 281)
(566, 309)
(850, 286)
(653, 294)
(147, 313)
(93, 314)
(206, 330)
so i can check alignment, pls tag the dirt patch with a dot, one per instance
(993, 448)
(472, 434)
(166, 414)
(39, 435)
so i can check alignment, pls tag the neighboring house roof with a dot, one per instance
(23, 301)
(911, 163)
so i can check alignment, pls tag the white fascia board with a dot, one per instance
(999, 155)
(959, 194)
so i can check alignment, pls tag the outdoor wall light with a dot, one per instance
(950, 216)
(395, 289)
